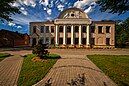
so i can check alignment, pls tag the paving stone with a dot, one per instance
(9, 70)
(69, 68)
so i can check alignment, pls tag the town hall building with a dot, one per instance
(73, 29)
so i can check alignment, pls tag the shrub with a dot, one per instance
(40, 50)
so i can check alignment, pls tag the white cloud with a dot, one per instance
(44, 2)
(19, 26)
(29, 3)
(81, 4)
(11, 24)
(88, 10)
(18, 3)
(15, 4)
(49, 11)
(60, 7)
(23, 11)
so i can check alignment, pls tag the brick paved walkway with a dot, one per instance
(9, 70)
(70, 66)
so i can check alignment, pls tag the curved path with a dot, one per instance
(9, 70)
(70, 66)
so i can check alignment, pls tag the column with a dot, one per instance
(88, 35)
(64, 35)
(80, 35)
(56, 40)
(72, 35)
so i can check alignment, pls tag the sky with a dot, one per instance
(43, 10)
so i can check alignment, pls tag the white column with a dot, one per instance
(72, 35)
(88, 34)
(56, 35)
(64, 35)
(80, 35)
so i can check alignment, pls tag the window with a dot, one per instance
(52, 29)
(69, 29)
(93, 41)
(84, 29)
(107, 29)
(47, 39)
(60, 40)
(72, 15)
(76, 29)
(34, 29)
(47, 29)
(76, 40)
(34, 41)
(84, 41)
(107, 41)
(42, 29)
(92, 29)
(100, 29)
(61, 29)
(68, 40)
(52, 40)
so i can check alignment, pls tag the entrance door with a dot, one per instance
(33, 41)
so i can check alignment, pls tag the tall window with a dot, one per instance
(52, 40)
(107, 41)
(60, 40)
(47, 29)
(84, 41)
(42, 29)
(92, 29)
(68, 40)
(76, 40)
(61, 29)
(76, 29)
(84, 29)
(107, 29)
(69, 29)
(34, 29)
(52, 29)
(93, 41)
(100, 29)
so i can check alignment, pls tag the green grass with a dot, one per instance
(32, 72)
(115, 66)
(3, 56)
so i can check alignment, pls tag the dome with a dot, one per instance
(72, 13)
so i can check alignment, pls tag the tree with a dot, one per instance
(6, 10)
(114, 6)
(122, 33)
(40, 49)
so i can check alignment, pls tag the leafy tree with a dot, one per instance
(114, 6)
(122, 33)
(40, 49)
(6, 10)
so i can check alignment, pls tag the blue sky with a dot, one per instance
(42, 10)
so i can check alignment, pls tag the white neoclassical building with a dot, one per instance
(73, 28)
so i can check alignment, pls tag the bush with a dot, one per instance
(40, 50)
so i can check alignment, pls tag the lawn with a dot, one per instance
(115, 66)
(3, 56)
(32, 72)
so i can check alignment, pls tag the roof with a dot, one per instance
(104, 22)
(74, 8)
(45, 22)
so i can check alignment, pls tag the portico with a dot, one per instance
(72, 35)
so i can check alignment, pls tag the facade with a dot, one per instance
(13, 39)
(73, 28)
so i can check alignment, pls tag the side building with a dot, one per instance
(73, 28)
